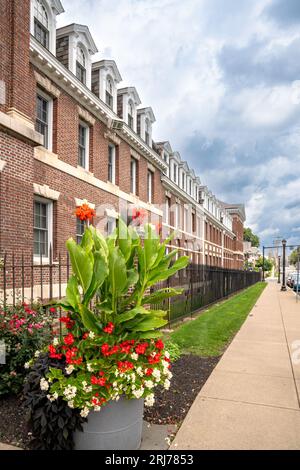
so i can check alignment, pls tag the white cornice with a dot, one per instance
(78, 28)
(48, 63)
(108, 64)
(179, 192)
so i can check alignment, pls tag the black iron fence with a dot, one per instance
(23, 279)
(203, 285)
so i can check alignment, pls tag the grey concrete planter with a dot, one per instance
(118, 426)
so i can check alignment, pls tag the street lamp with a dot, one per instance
(283, 287)
(279, 269)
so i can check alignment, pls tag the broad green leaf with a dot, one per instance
(100, 273)
(151, 246)
(99, 241)
(150, 324)
(82, 264)
(117, 274)
(179, 264)
(89, 319)
(124, 240)
(87, 242)
(150, 335)
(72, 292)
(122, 317)
(160, 295)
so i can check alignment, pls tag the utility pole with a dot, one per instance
(283, 287)
(263, 264)
(279, 269)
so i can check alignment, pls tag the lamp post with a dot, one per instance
(279, 269)
(263, 264)
(283, 287)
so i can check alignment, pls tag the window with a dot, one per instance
(80, 227)
(41, 24)
(43, 118)
(130, 114)
(167, 209)
(150, 186)
(43, 212)
(183, 181)
(112, 164)
(190, 188)
(133, 176)
(83, 145)
(147, 132)
(80, 66)
(177, 216)
(109, 93)
(175, 173)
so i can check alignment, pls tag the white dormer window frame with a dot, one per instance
(109, 92)
(130, 114)
(43, 24)
(147, 131)
(81, 62)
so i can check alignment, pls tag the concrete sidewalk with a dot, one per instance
(251, 400)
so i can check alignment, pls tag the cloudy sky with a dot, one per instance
(223, 79)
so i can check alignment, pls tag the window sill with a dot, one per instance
(45, 262)
(85, 170)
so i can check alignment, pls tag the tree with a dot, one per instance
(249, 236)
(268, 265)
(294, 256)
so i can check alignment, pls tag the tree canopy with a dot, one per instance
(294, 257)
(249, 236)
(267, 265)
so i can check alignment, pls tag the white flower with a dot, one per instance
(37, 353)
(71, 404)
(55, 395)
(169, 374)
(156, 374)
(115, 384)
(134, 356)
(165, 364)
(70, 392)
(133, 377)
(27, 365)
(89, 367)
(117, 373)
(55, 342)
(149, 400)
(52, 397)
(139, 371)
(149, 384)
(44, 384)
(167, 354)
(138, 393)
(167, 384)
(97, 408)
(70, 369)
(91, 335)
(84, 413)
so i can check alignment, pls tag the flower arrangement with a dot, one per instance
(23, 330)
(113, 349)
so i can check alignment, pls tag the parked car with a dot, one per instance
(291, 279)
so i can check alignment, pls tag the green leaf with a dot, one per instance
(99, 241)
(87, 242)
(89, 319)
(124, 240)
(150, 335)
(179, 264)
(100, 273)
(161, 295)
(82, 264)
(72, 292)
(150, 324)
(121, 318)
(151, 246)
(117, 272)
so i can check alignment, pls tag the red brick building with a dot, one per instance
(70, 132)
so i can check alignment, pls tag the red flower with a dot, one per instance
(68, 321)
(159, 344)
(71, 355)
(109, 328)
(149, 372)
(141, 348)
(138, 214)
(69, 339)
(53, 354)
(52, 310)
(85, 212)
(85, 336)
(105, 349)
(154, 359)
(96, 381)
(124, 366)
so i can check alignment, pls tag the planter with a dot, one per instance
(118, 426)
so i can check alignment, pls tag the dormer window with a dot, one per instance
(41, 24)
(109, 93)
(81, 66)
(147, 131)
(130, 114)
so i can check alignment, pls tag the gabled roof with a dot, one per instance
(130, 90)
(79, 28)
(166, 146)
(185, 166)
(177, 156)
(108, 64)
(148, 111)
(56, 5)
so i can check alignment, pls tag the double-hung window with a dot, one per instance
(83, 145)
(133, 175)
(109, 93)
(41, 24)
(130, 115)
(81, 66)
(147, 132)
(80, 227)
(43, 223)
(150, 186)
(43, 123)
(112, 163)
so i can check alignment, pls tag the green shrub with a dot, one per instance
(173, 349)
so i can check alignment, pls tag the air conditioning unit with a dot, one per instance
(116, 124)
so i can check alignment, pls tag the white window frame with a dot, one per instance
(49, 203)
(49, 99)
(150, 176)
(133, 176)
(113, 176)
(87, 144)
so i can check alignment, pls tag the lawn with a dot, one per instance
(212, 331)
